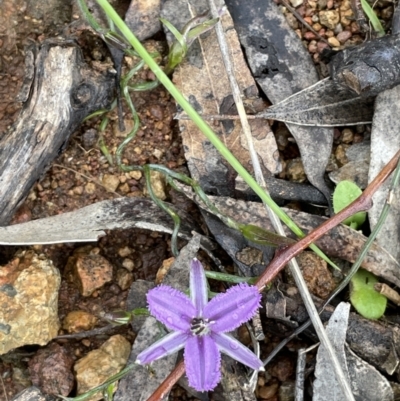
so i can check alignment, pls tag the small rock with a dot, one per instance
(98, 365)
(90, 188)
(156, 111)
(333, 42)
(310, 36)
(157, 182)
(296, 3)
(50, 370)
(347, 136)
(89, 138)
(292, 21)
(340, 155)
(347, 17)
(29, 287)
(136, 175)
(110, 182)
(128, 264)
(343, 36)
(92, 272)
(329, 18)
(77, 321)
(124, 252)
(124, 279)
(295, 170)
(163, 270)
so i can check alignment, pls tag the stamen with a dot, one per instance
(199, 326)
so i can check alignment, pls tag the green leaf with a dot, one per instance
(345, 193)
(373, 18)
(368, 302)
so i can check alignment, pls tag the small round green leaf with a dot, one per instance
(345, 193)
(368, 302)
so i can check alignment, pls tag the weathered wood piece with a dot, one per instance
(63, 92)
(370, 68)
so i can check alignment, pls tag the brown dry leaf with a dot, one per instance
(203, 81)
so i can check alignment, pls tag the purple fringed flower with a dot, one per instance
(200, 326)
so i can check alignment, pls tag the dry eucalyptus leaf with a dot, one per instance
(282, 66)
(385, 142)
(326, 386)
(365, 381)
(87, 224)
(323, 104)
(201, 78)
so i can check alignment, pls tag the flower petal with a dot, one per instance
(232, 308)
(202, 363)
(172, 342)
(198, 286)
(236, 350)
(171, 307)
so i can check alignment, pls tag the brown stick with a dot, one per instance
(282, 257)
(168, 383)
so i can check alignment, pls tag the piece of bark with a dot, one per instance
(63, 92)
(374, 341)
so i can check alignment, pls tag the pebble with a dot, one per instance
(124, 279)
(136, 175)
(124, 252)
(347, 135)
(343, 36)
(128, 264)
(77, 321)
(333, 42)
(50, 370)
(309, 36)
(90, 188)
(91, 273)
(292, 20)
(157, 181)
(110, 182)
(29, 299)
(296, 3)
(98, 365)
(329, 18)
(295, 170)
(340, 155)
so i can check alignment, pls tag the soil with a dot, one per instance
(80, 177)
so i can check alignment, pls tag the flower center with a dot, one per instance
(199, 326)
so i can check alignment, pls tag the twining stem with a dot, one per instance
(361, 204)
